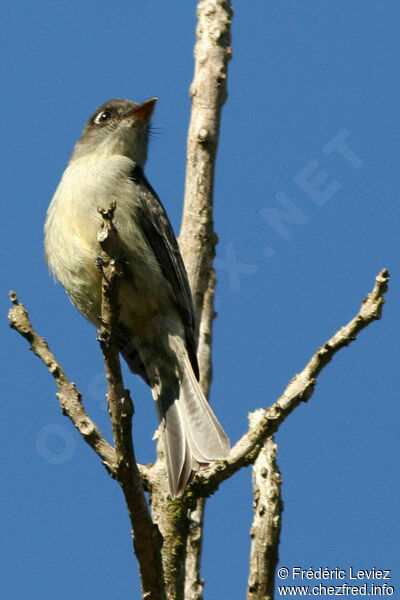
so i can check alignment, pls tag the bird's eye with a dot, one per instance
(102, 117)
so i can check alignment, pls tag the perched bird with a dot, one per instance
(156, 328)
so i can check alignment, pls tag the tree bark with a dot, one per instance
(266, 527)
(197, 239)
(147, 541)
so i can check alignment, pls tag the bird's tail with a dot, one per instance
(190, 432)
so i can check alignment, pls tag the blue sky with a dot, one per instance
(302, 75)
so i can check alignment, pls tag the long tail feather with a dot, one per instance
(190, 432)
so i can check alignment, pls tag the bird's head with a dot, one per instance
(117, 127)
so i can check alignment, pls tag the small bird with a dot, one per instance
(156, 322)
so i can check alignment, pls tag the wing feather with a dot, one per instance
(157, 228)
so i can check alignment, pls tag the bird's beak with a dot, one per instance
(142, 112)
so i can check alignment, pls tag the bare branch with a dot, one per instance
(193, 584)
(197, 240)
(208, 93)
(68, 396)
(266, 527)
(300, 389)
(205, 336)
(146, 538)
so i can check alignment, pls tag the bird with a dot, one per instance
(156, 329)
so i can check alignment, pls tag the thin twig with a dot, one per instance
(68, 396)
(300, 389)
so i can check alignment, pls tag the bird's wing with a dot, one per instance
(155, 225)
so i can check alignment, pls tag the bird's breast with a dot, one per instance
(71, 247)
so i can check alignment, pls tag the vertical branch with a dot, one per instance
(197, 239)
(173, 524)
(193, 584)
(146, 539)
(208, 93)
(205, 335)
(172, 518)
(266, 527)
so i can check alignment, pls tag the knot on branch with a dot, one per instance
(109, 242)
(125, 405)
(13, 297)
(203, 135)
(108, 262)
(108, 213)
(18, 318)
(86, 427)
(54, 368)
